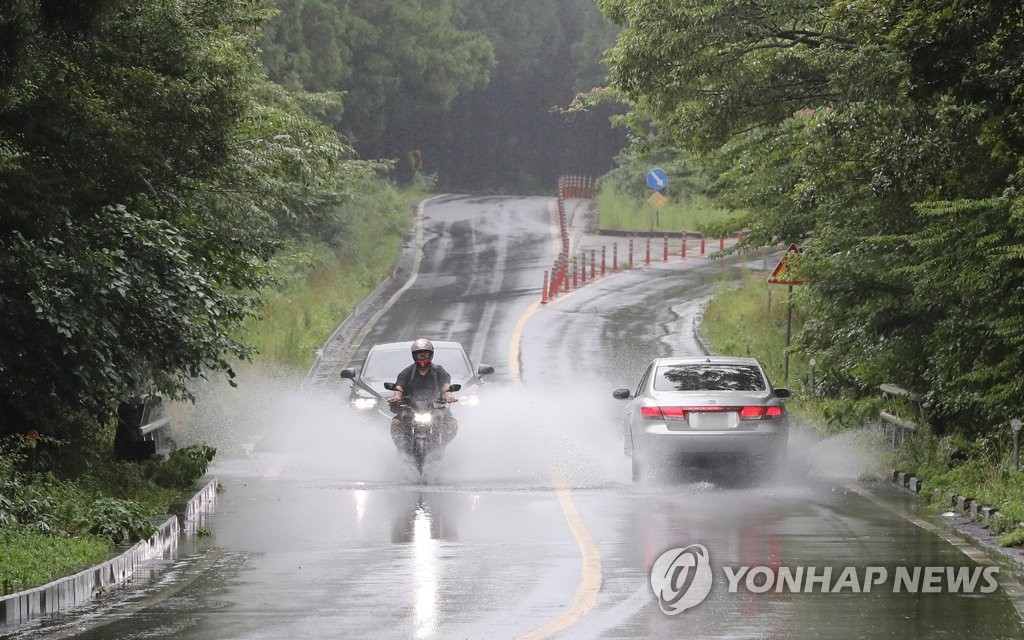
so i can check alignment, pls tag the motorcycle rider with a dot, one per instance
(423, 381)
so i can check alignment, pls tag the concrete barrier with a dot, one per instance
(963, 505)
(78, 589)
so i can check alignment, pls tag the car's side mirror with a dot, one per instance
(348, 372)
(782, 393)
(390, 386)
(454, 387)
(484, 369)
(621, 394)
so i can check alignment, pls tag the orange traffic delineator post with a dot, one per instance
(544, 292)
(682, 251)
(593, 267)
(647, 252)
(702, 246)
(603, 248)
(664, 257)
(631, 253)
(615, 257)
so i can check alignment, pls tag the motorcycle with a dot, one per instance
(424, 424)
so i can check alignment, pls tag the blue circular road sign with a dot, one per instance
(657, 179)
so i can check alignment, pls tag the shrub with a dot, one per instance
(122, 521)
(183, 467)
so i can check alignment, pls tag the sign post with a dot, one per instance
(1016, 424)
(657, 179)
(785, 273)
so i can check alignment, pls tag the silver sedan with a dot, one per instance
(704, 408)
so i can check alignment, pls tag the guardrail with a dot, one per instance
(895, 427)
(143, 429)
(157, 432)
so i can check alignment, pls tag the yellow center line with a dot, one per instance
(591, 572)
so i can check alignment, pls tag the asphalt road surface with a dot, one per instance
(530, 526)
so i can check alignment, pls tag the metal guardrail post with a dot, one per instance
(143, 429)
(157, 433)
(899, 425)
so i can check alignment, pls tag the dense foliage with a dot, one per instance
(147, 172)
(887, 139)
(474, 85)
(161, 163)
(64, 506)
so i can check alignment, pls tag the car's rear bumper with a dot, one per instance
(657, 440)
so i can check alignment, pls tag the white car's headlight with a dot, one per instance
(364, 403)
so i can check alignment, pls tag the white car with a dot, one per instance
(386, 359)
(709, 407)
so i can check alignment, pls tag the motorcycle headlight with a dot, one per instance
(364, 403)
(423, 418)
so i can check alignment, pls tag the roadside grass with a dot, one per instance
(621, 212)
(750, 320)
(31, 559)
(738, 321)
(320, 284)
(51, 527)
(982, 469)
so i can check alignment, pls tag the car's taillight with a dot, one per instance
(757, 413)
(675, 413)
(664, 413)
(683, 413)
(751, 413)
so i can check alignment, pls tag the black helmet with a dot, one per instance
(424, 349)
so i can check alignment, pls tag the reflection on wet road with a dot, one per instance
(321, 531)
(329, 535)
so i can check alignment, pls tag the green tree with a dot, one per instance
(388, 57)
(864, 130)
(146, 169)
(511, 134)
(475, 85)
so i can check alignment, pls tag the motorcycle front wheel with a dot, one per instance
(419, 453)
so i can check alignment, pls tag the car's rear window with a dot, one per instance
(709, 377)
(385, 364)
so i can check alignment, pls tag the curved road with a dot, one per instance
(530, 527)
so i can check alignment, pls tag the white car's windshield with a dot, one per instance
(705, 377)
(384, 365)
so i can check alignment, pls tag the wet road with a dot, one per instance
(530, 527)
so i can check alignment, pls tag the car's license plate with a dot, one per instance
(711, 420)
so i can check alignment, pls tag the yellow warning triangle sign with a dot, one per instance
(785, 271)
